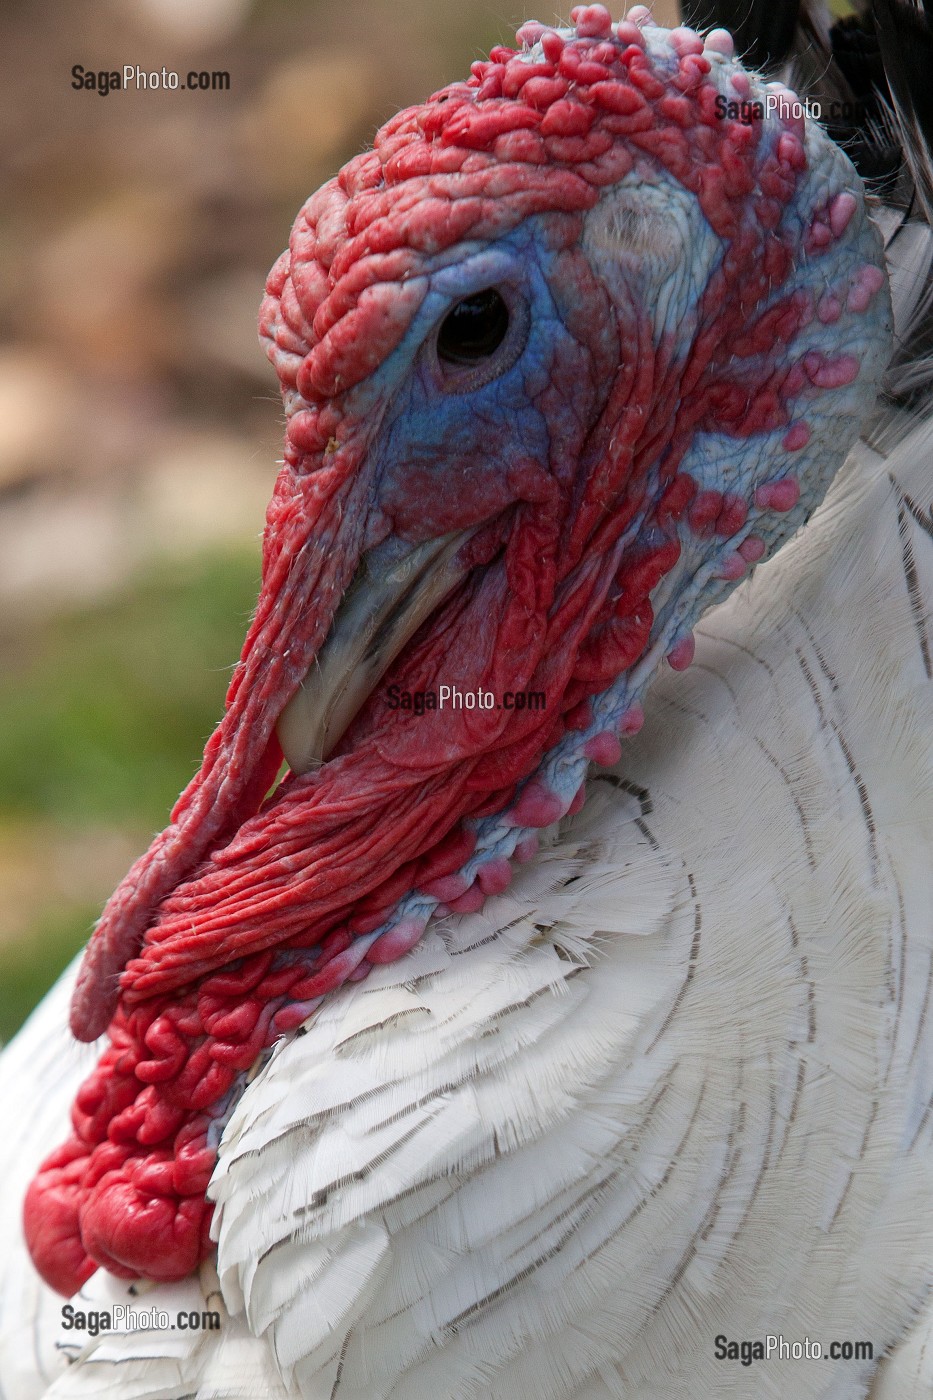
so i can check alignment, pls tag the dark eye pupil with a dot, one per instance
(474, 329)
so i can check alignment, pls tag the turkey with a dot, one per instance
(556, 1026)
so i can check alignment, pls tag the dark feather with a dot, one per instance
(763, 30)
(905, 39)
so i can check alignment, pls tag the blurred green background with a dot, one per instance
(103, 713)
(139, 420)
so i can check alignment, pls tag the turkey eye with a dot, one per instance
(474, 329)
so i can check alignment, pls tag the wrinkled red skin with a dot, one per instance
(183, 969)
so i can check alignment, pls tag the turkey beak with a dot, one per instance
(396, 587)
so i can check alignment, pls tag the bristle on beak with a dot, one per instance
(396, 588)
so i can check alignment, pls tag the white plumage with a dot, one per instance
(676, 1083)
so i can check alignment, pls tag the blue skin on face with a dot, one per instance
(459, 444)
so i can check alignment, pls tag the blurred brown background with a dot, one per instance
(139, 420)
